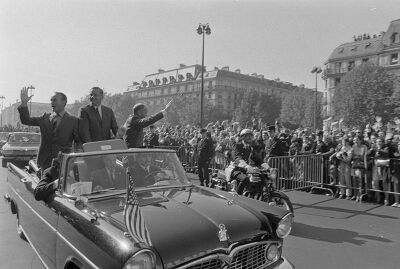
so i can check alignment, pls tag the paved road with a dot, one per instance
(327, 233)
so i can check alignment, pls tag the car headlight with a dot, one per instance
(284, 226)
(143, 259)
(272, 253)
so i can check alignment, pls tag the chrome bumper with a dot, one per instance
(284, 264)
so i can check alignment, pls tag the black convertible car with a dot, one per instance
(83, 225)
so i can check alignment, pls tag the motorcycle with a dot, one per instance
(260, 184)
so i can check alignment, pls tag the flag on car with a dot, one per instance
(133, 216)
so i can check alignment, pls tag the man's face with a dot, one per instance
(96, 97)
(142, 112)
(110, 161)
(145, 160)
(271, 133)
(57, 103)
(248, 138)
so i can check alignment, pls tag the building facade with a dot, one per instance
(223, 88)
(382, 50)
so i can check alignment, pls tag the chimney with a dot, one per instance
(161, 70)
(260, 76)
(237, 71)
(182, 65)
(226, 68)
(254, 75)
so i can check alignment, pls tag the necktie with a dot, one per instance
(55, 121)
(97, 111)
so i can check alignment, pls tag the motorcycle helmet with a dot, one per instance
(246, 132)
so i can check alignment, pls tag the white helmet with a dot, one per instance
(246, 132)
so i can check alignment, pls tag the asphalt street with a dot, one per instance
(327, 233)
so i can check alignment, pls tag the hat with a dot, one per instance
(271, 128)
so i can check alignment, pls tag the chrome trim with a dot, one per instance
(57, 233)
(224, 257)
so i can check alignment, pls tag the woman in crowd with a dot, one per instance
(359, 166)
(380, 171)
(344, 170)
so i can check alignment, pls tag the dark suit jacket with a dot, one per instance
(45, 188)
(206, 149)
(240, 152)
(52, 141)
(139, 174)
(92, 127)
(134, 129)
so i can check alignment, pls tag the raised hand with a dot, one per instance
(24, 96)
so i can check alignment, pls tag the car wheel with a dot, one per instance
(4, 163)
(20, 231)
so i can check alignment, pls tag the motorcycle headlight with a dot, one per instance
(143, 259)
(284, 226)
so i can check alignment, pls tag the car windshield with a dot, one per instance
(94, 174)
(24, 138)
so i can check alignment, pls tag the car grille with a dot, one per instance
(211, 264)
(250, 256)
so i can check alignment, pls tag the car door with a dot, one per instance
(37, 218)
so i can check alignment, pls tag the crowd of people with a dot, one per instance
(359, 159)
(374, 153)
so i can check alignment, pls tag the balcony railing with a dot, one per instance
(335, 71)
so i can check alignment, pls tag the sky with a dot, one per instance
(71, 46)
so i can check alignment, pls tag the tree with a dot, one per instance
(363, 94)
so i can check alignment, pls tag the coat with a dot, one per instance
(206, 149)
(52, 141)
(93, 128)
(134, 129)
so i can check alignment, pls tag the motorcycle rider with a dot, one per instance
(245, 150)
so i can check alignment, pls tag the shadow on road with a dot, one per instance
(352, 213)
(333, 235)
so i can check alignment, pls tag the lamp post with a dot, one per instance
(316, 70)
(202, 30)
(1, 118)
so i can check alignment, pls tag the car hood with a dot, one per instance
(185, 223)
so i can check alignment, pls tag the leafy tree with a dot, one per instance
(363, 94)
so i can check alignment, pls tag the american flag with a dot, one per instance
(133, 216)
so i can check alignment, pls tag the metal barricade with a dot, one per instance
(300, 171)
(187, 156)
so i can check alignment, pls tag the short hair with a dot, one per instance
(63, 96)
(99, 89)
(138, 107)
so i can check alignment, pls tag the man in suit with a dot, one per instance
(48, 183)
(96, 122)
(58, 129)
(108, 175)
(206, 153)
(143, 171)
(135, 123)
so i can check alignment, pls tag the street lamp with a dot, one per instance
(202, 30)
(1, 118)
(316, 70)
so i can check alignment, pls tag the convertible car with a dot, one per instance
(20, 147)
(84, 223)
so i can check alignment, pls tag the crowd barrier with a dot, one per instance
(313, 172)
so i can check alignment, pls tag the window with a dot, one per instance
(394, 58)
(338, 67)
(210, 84)
(395, 38)
(162, 91)
(209, 95)
(365, 60)
(350, 65)
(169, 90)
(336, 82)
(148, 92)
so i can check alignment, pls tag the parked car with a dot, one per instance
(20, 147)
(83, 225)
(3, 139)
